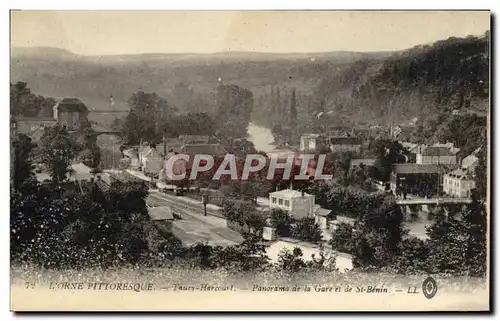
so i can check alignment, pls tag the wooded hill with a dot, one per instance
(451, 74)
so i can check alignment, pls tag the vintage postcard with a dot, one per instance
(250, 160)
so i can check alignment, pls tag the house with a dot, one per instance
(418, 179)
(344, 144)
(321, 216)
(367, 132)
(70, 112)
(402, 131)
(310, 142)
(459, 183)
(298, 204)
(448, 145)
(150, 160)
(437, 155)
(470, 162)
(33, 127)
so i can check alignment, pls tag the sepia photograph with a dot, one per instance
(250, 160)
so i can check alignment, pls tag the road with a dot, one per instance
(195, 227)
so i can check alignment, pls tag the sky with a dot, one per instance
(131, 32)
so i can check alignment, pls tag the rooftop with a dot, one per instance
(412, 168)
(437, 151)
(321, 211)
(344, 140)
(34, 119)
(160, 213)
(310, 135)
(288, 193)
(460, 174)
(71, 105)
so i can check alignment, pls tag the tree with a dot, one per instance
(24, 103)
(235, 105)
(458, 246)
(481, 174)
(291, 261)
(58, 150)
(22, 171)
(192, 124)
(388, 152)
(342, 238)
(149, 115)
(282, 222)
(306, 229)
(378, 233)
(91, 157)
(413, 256)
(293, 110)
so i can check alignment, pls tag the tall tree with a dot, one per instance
(235, 110)
(458, 246)
(58, 149)
(149, 115)
(22, 162)
(293, 110)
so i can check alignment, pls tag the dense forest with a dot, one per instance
(448, 75)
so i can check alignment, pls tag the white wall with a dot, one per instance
(458, 187)
(445, 160)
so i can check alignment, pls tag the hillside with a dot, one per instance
(55, 73)
(371, 87)
(451, 74)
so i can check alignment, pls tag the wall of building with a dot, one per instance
(458, 187)
(33, 128)
(345, 148)
(445, 160)
(69, 119)
(298, 207)
(308, 144)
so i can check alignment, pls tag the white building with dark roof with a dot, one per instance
(437, 155)
(297, 203)
(459, 183)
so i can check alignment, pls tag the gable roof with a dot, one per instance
(344, 141)
(460, 174)
(318, 210)
(71, 105)
(412, 168)
(288, 193)
(160, 213)
(437, 151)
(209, 149)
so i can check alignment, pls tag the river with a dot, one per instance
(261, 137)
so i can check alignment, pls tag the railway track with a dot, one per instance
(156, 199)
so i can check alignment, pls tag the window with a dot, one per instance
(273, 200)
(280, 201)
(287, 203)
